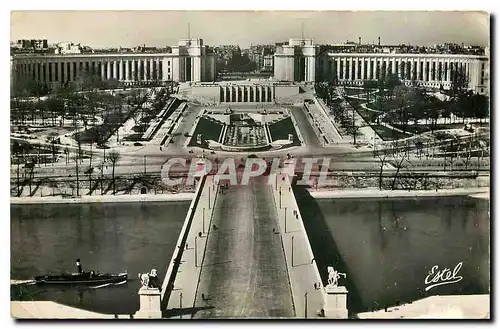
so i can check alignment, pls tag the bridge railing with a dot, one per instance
(168, 282)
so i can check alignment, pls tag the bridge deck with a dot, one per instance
(244, 272)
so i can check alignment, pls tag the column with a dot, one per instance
(102, 62)
(127, 70)
(54, 78)
(338, 69)
(59, 71)
(248, 93)
(151, 69)
(115, 70)
(375, 71)
(36, 71)
(356, 68)
(368, 69)
(108, 70)
(428, 68)
(134, 70)
(47, 73)
(68, 70)
(65, 70)
(344, 64)
(417, 63)
(449, 71)
(363, 76)
(144, 73)
(393, 60)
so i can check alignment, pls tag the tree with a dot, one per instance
(399, 165)
(382, 155)
(30, 166)
(89, 172)
(53, 139)
(53, 185)
(459, 81)
(114, 156)
(391, 81)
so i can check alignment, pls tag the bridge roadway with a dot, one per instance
(244, 273)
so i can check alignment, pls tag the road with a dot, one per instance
(244, 272)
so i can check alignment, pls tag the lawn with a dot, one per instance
(353, 91)
(281, 129)
(385, 106)
(208, 128)
(388, 134)
(368, 115)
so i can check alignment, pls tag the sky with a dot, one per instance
(162, 28)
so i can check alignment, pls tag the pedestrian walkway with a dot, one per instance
(191, 253)
(305, 281)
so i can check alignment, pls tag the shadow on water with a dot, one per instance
(324, 248)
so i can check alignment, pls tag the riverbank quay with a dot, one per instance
(104, 198)
(31, 310)
(482, 192)
(437, 307)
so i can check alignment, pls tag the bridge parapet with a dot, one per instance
(183, 273)
(309, 295)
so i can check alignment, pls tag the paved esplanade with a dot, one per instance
(244, 272)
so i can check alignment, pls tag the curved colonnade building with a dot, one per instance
(301, 60)
(190, 60)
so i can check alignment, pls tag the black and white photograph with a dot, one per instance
(196, 164)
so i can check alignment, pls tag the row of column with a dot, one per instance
(369, 68)
(123, 70)
(244, 94)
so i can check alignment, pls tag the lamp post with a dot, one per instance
(195, 251)
(292, 250)
(144, 164)
(203, 220)
(180, 304)
(280, 198)
(285, 219)
(305, 305)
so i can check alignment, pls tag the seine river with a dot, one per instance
(385, 246)
(109, 237)
(388, 246)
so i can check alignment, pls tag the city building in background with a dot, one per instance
(352, 64)
(189, 61)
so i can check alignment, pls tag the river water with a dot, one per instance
(385, 246)
(109, 237)
(388, 246)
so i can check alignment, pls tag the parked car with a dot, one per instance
(137, 144)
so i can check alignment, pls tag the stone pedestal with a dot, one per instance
(150, 304)
(336, 302)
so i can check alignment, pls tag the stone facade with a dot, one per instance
(301, 61)
(190, 60)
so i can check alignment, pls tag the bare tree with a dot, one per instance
(382, 155)
(53, 185)
(399, 165)
(114, 156)
(89, 172)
